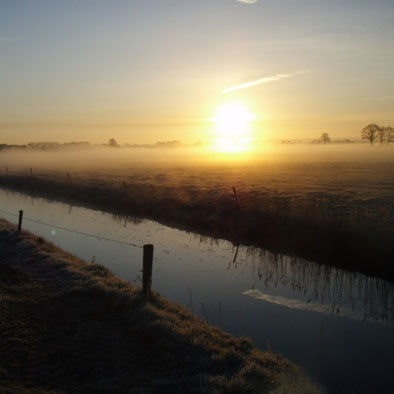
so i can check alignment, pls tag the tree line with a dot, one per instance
(373, 133)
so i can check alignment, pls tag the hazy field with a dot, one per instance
(329, 203)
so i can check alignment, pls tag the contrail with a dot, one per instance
(263, 80)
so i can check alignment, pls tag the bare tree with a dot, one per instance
(382, 132)
(389, 134)
(370, 133)
(325, 138)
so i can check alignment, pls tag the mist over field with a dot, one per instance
(107, 158)
(291, 198)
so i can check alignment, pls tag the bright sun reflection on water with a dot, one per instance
(233, 128)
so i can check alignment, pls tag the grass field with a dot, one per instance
(70, 326)
(331, 208)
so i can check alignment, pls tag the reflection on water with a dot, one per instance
(336, 324)
(317, 287)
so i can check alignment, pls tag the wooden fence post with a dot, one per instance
(31, 171)
(236, 197)
(20, 221)
(147, 271)
(6, 170)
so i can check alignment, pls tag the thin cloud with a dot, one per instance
(248, 1)
(382, 98)
(263, 80)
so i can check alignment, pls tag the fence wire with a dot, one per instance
(73, 231)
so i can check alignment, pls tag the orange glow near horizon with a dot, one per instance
(233, 129)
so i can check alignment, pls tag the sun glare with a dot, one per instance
(233, 128)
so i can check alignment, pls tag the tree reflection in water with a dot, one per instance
(301, 284)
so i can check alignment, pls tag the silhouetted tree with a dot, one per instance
(370, 133)
(325, 138)
(112, 142)
(382, 132)
(389, 134)
(43, 145)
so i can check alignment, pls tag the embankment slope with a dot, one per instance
(69, 326)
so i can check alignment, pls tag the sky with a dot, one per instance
(150, 70)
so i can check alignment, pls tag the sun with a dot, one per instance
(233, 128)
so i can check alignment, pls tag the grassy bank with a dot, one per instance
(69, 326)
(354, 234)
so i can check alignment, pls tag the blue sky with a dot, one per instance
(142, 71)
